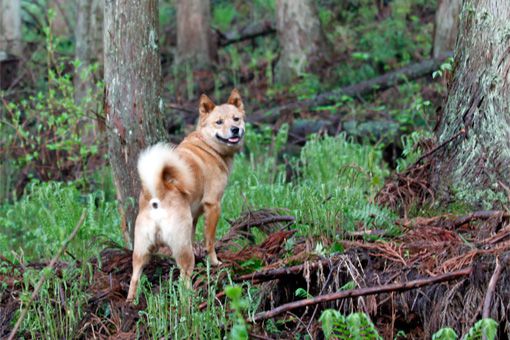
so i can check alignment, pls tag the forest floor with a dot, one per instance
(439, 270)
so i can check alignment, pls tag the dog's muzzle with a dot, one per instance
(237, 135)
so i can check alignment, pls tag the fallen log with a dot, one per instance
(251, 31)
(406, 73)
(393, 287)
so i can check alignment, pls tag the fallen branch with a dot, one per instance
(43, 276)
(410, 72)
(394, 287)
(267, 220)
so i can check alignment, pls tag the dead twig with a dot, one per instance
(43, 275)
(394, 287)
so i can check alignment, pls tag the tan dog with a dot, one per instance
(181, 183)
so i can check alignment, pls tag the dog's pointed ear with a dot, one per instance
(235, 99)
(205, 106)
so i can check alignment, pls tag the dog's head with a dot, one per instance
(222, 126)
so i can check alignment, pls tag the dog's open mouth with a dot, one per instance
(232, 140)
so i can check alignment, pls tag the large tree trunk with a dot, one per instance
(475, 125)
(302, 42)
(10, 27)
(132, 95)
(446, 26)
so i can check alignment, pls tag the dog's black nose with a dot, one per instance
(234, 130)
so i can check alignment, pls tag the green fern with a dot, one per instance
(354, 326)
(483, 329)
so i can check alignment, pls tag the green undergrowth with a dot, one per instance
(34, 227)
(332, 189)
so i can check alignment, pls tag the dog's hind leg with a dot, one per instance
(176, 233)
(186, 261)
(144, 240)
(212, 213)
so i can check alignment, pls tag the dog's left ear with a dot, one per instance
(235, 99)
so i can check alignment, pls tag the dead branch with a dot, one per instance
(267, 220)
(43, 276)
(394, 287)
(491, 288)
(410, 72)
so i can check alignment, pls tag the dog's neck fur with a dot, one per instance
(225, 159)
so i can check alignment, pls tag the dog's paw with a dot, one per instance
(216, 262)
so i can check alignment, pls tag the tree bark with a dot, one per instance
(132, 95)
(446, 26)
(302, 42)
(10, 27)
(476, 164)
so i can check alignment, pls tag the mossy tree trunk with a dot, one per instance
(132, 95)
(475, 124)
(303, 44)
(446, 26)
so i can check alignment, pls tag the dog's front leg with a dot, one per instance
(212, 213)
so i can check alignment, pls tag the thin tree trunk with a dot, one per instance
(476, 164)
(194, 39)
(10, 27)
(96, 29)
(302, 42)
(196, 47)
(446, 26)
(132, 95)
(83, 35)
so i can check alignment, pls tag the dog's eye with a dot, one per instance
(219, 121)
(236, 119)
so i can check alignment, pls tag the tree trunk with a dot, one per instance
(61, 24)
(83, 49)
(446, 26)
(196, 48)
(302, 42)
(132, 95)
(476, 163)
(96, 31)
(194, 39)
(10, 27)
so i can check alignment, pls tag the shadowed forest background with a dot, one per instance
(371, 198)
